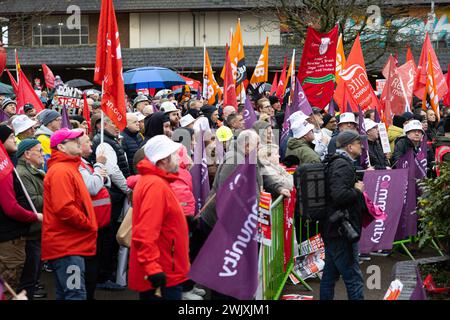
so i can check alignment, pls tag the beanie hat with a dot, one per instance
(48, 116)
(398, 121)
(408, 116)
(5, 132)
(24, 145)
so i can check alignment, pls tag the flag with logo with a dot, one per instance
(423, 72)
(354, 77)
(228, 261)
(340, 58)
(393, 94)
(432, 88)
(108, 66)
(261, 73)
(199, 173)
(317, 68)
(249, 114)
(407, 74)
(211, 89)
(447, 96)
(48, 76)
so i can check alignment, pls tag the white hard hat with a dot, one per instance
(347, 117)
(186, 120)
(369, 124)
(413, 125)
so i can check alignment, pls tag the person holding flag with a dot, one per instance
(15, 219)
(414, 134)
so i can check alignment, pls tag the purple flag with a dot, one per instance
(249, 114)
(349, 108)
(65, 123)
(364, 160)
(228, 261)
(299, 103)
(199, 173)
(199, 95)
(377, 116)
(419, 292)
(421, 159)
(408, 220)
(387, 189)
(3, 116)
(332, 108)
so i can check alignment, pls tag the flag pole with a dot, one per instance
(33, 208)
(205, 88)
(17, 70)
(102, 124)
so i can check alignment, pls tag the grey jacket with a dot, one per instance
(94, 181)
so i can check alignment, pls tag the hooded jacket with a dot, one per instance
(154, 125)
(43, 134)
(377, 157)
(159, 240)
(303, 150)
(402, 144)
(393, 133)
(70, 225)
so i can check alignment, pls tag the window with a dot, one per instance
(53, 31)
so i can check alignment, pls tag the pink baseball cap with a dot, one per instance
(64, 134)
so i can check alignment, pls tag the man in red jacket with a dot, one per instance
(159, 251)
(69, 230)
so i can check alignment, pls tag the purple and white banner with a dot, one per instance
(387, 189)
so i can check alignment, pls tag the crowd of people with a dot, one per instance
(62, 208)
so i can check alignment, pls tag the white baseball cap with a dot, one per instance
(413, 125)
(301, 128)
(140, 116)
(369, 124)
(22, 123)
(160, 147)
(167, 107)
(347, 117)
(186, 120)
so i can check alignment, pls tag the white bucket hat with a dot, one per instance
(297, 116)
(22, 123)
(160, 147)
(301, 128)
(369, 124)
(186, 120)
(347, 117)
(413, 125)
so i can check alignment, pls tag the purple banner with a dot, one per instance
(421, 159)
(3, 116)
(387, 189)
(65, 123)
(199, 173)
(249, 114)
(408, 220)
(419, 292)
(228, 261)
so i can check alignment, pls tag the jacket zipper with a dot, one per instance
(173, 252)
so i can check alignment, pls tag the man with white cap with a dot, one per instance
(411, 140)
(174, 113)
(378, 159)
(23, 127)
(301, 144)
(297, 116)
(187, 121)
(347, 121)
(159, 250)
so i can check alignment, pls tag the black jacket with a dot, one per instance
(341, 178)
(402, 144)
(131, 143)
(378, 159)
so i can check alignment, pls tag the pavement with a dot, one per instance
(385, 265)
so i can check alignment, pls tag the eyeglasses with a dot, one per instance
(267, 106)
(69, 140)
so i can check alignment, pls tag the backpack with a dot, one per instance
(312, 189)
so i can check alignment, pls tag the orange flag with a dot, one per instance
(229, 89)
(431, 87)
(108, 66)
(340, 58)
(422, 72)
(261, 73)
(290, 78)
(354, 76)
(210, 86)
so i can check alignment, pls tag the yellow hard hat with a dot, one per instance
(224, 133)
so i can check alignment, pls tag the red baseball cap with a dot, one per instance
(64, 134)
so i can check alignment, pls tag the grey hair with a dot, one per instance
(246, 136)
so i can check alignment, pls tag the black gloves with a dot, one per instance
(157, 280)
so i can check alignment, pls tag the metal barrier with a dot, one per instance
(274, 276)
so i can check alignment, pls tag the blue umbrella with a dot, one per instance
(151, 77)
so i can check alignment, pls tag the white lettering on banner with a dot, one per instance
(384, 138)
(380, 200)
(4, 164)
(234, 255)
(116, 111)
(259, 69)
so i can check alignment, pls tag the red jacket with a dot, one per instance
(159, 237)
(69, 227)
(182, 187)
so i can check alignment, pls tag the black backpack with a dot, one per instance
(312, 189)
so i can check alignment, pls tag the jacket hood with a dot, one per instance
(58, 156)
(294, 143)
(145, 167)
(44, 130)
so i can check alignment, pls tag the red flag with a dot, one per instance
(229, 88)
(86, 113)
(407, 74)
(13, 82)
(26, 94)
(280, 92)
(421, 78)
(108, 66)
(410, 57)
(274, 84)
(392, 94)
(447, 96)
(6, 165)
(49, 77)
